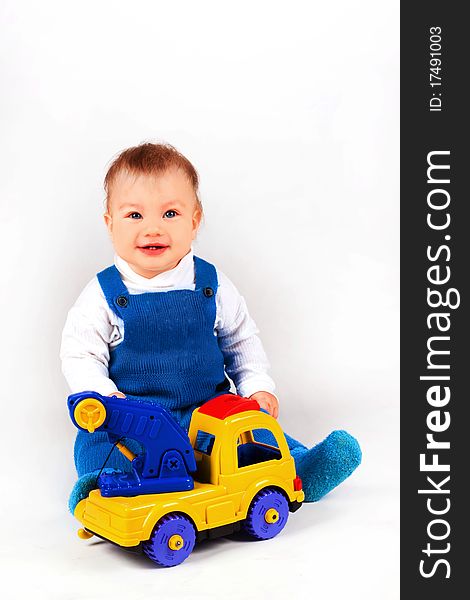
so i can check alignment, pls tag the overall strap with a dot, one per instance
(206, 276)
(114, 290)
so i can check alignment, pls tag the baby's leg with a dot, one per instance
(92, 449)
(324, 466)
(90, 454)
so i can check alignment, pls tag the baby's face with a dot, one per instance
(152, 220)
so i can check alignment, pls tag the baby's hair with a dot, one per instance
(151, 159)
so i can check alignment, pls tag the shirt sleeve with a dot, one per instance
(246, 362)
(89, 330)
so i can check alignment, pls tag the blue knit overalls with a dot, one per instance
(170, 356)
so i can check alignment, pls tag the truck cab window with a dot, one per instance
(252, 452)
(204, 442)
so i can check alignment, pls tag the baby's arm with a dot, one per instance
(89, 330)
(246, 362)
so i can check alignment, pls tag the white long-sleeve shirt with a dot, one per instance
(92, 329)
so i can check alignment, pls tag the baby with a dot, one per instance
(164, 326)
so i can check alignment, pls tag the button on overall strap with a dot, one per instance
(206, 277)
(114, 290)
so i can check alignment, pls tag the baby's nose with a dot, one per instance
(154, 228)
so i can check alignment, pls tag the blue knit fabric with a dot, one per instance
(170, 356)
(326, 465)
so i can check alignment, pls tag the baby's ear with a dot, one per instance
(108, 220)
(197, 216)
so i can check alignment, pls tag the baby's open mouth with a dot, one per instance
(153, 248)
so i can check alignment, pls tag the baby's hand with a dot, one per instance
(268, 402)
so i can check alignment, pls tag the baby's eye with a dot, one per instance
(135, 215)
(170, 214)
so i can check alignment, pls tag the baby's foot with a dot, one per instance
(84, 485)
(327, 464)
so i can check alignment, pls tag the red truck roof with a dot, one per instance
(226, 405)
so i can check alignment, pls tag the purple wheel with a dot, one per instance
(172, 540)
(267, 514)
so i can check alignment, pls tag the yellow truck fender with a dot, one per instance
(254, 489)
(180, 507)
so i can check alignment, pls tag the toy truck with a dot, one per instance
(185, 488)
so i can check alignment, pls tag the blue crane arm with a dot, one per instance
(168, 456)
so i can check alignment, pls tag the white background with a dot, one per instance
(290, 113)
